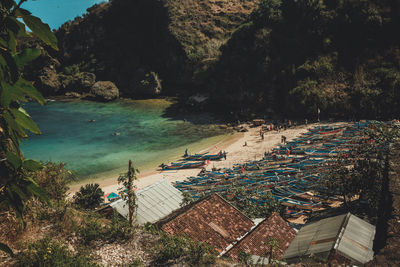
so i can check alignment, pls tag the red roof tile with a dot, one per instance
(212, 220)
(254, 243)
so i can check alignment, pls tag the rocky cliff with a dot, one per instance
(146, 47)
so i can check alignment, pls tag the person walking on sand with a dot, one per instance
(224, 155)
(262, 136)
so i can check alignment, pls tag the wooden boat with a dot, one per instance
(183, 165)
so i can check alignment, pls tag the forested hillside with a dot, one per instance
(134, 42)
(269, 57)
(294, 56)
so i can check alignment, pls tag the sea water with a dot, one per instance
(95, 138)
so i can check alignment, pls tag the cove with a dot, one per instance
(119, 131)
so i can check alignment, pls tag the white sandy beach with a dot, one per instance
(236, 153)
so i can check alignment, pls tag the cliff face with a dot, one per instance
(127, 41)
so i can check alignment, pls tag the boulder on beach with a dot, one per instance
(104, 91)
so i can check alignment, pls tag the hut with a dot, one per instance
(344, 239)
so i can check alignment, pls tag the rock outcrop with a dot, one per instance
(104, 91)
(81, 82)
(147, 84)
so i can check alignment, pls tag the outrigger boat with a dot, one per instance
(204, 156)
(183, 165)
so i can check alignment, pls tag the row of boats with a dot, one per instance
(292, 172)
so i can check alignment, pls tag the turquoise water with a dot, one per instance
(90, 148)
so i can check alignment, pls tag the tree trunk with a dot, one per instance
(130, 200)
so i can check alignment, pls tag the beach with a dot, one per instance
(233, 145)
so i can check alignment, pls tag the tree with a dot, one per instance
(128, 192)
(53, 178)
(89, 197)
(16, 183)
(273, 244)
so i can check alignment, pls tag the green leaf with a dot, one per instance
(36, 190)
(24, 120)
(14, 160)
(13, 127)
(30, 91)
(12, 42)
(41, 30)
(31, 165)
(21, 28)
(25, 57)
(13, 73)
(10, 93)
(3, 43)
(6, 249)
(15, 188)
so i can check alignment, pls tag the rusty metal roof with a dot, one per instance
(350, 236)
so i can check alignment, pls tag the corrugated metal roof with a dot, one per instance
(153, 202)
(315, 237)
(349, 235)
(357, 240)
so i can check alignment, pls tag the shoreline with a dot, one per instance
(108, 179)
(233, 145)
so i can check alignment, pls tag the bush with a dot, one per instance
(91, 231)
(89, 197)
(47, 252)
(117, 229)
(171, 248)
(53, 178)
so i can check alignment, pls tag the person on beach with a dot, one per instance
(306, 121)
(245, 143)
(262, 136)
(224, 155)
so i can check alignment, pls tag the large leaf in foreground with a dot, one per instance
(40, 29)
(23, 119)
(26, 56)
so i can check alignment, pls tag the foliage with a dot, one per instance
(16, 183)
(363, 172)
(187, 199)
(128, 190)
(72, 69)
(89, 196)
(48, 252)
(273, 244)
(296, 55)
(170, 248)
(246, 202)
(245, 258)
(96, 228)
(53, 178)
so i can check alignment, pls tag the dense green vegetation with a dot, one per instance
(16, 183)
(294, 56)
(89, 196)
(360, 177)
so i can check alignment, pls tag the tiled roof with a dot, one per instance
(254, 243)
(212, 220)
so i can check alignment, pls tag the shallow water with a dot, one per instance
(91, 148)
